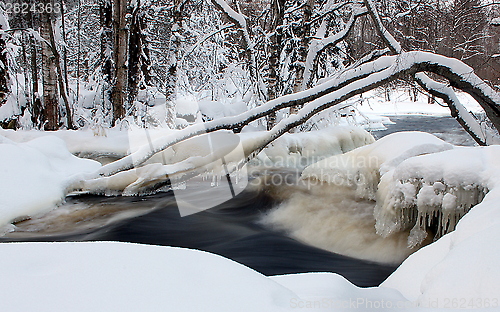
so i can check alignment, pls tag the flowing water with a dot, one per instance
(272, 229)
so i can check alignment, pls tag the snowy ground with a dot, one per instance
(458, 271)
(400, 103)
(373, 112)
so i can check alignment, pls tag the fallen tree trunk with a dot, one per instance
(333, 93)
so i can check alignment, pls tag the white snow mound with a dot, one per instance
(35, 175)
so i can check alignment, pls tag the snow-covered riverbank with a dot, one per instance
(126, 277)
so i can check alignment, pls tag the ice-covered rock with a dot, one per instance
(362, 168)
(419, 182)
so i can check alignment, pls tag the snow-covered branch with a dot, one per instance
(316, 47)
(383, 32)
(482, 135)
(143, 154)
(468, 122)
(332, 93)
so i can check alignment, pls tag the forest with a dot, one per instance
(92, 64)
(249, 155)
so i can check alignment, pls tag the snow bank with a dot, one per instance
(35, 175)
(400, 103)
(420, 183)
(431, 276)
(440, 187)
(128, 277)
(299, 150)
(109, 276)
(362, 168)
(425, 185)
(94, 143)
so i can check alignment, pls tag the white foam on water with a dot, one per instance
(335, 219)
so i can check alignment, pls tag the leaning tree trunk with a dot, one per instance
(49, 76)
(121, 25)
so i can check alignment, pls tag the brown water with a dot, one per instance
(275, 230)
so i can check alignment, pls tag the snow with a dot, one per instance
(93, 143)
(233, 14)
(110, 276)
(496, 21)
(362, 167)
(128, 277)
(186, 106)
(450, 181)
(433, 269)
(214, 109)
(35, 175)
(374, 103)
(299, 150)
(411, 177)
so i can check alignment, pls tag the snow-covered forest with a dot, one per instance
(256, 121)
(89, 64)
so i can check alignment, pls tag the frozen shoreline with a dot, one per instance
(427, 277)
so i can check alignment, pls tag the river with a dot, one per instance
(234, 229)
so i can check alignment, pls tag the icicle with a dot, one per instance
(422, 206)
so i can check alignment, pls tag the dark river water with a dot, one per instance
(232, 229)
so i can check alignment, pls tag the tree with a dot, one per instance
(4, 66)
(367, 74)
(106, 68)
(49, 75)
(121, 26)
(139, 57)
(275, 49)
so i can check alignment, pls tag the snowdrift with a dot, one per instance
(425, 185)
(419, 182)
(35, 176)
(130, 277)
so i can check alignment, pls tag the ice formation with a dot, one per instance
(430, 192)
(299, 150)
(420, 183)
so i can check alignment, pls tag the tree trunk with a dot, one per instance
(138, 63)
(37, 108)
(49, 75)
(121, 35)
(60, 78)
(304, 35)
(4, 73)
(106, 54)
(275, 49)
(174, 51)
